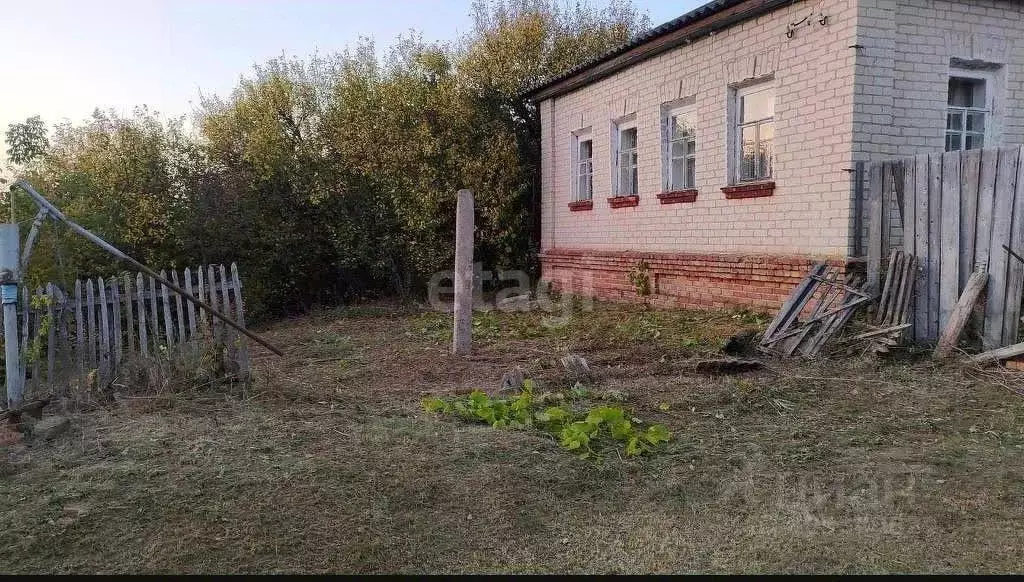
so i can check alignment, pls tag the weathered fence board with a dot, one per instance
(949, 243)
(1002, 215)
(140, 289)
(920, 246)
(91, 329)
(959, 210)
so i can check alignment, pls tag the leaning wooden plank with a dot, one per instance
(838, 322)
(105, 363)
(883, 331)
(970, 180)
(876, 228)
(910, 277)
(793, 304)
(243, 349)
(115, 317)
(90, 308)
(812, 344)
(79, 330)
(191, 307)
(921, 234)
(140, 289)
(165, 298)
(178, 309)
(899, 287)
(949, 285)
(935, 270)
(962, 312)
(999, 354)
(129, 313)
(995, 306)
(51, 336)
(885, 302)
(1015, 268)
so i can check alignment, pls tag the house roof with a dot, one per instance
(701, 21)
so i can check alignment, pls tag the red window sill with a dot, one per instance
(752, 190)
(581, 205)
(678, 196)
(624, 201)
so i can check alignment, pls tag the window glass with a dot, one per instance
(756, 106)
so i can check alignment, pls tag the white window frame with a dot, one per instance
(578, 137)
(618, 127)
(987, 77)
(736, 129)
(687, 111)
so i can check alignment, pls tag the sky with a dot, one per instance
(64, 58)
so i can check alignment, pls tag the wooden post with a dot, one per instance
(9, 272)
(462, 332)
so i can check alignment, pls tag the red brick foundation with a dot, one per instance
(687, 280)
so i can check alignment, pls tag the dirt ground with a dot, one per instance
(329, 464)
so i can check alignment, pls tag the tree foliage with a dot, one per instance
(331, 175)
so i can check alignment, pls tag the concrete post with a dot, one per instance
(9, 274)
(462, 332)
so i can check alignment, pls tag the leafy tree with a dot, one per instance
(328, 176)
(26, 141)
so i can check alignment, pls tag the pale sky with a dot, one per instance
(63, 58)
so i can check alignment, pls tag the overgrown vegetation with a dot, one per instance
(328, 176)
(589, 432)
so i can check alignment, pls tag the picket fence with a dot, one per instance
(104, 322)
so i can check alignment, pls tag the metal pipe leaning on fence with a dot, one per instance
(45, 206)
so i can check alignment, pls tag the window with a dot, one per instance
(583, 167)
(626, 179)
(754, 132)
(680, 152)
(967, 113)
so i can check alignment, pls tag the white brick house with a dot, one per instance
(719, 147)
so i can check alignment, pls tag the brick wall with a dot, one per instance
(929, 33)
(809, 212)
(688, 280)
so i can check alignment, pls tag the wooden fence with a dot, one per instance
(956, 210)
(103, 322)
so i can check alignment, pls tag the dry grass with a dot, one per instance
(328, 465)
